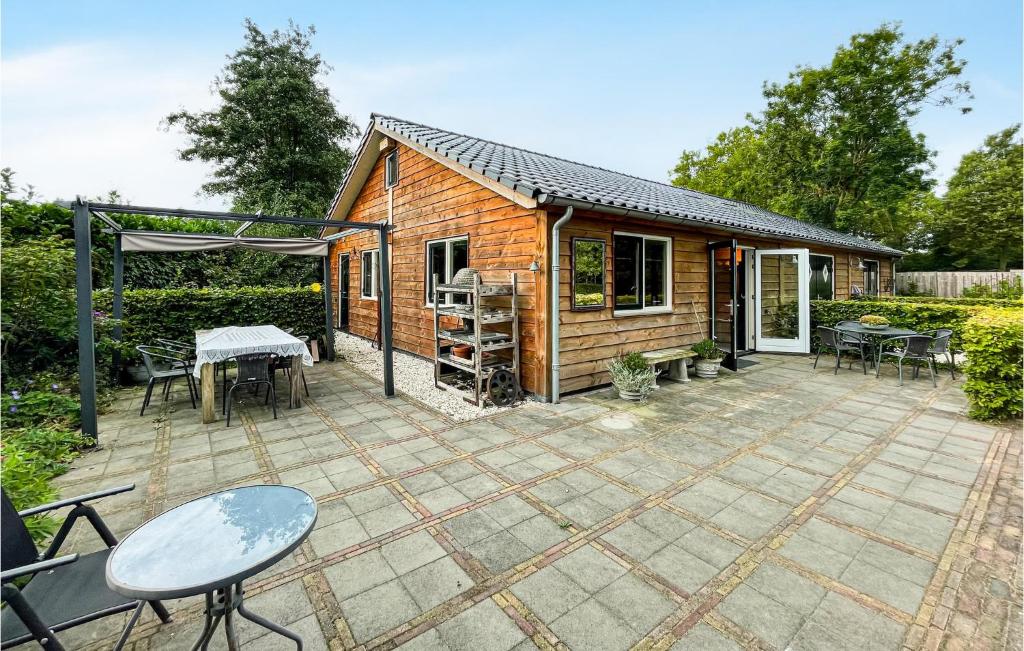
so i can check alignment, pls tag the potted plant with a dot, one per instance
(709, 358)
(632, 376)
(873, 322)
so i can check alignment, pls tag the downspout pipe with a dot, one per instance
(554, 319)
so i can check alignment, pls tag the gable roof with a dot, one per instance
(557, 181)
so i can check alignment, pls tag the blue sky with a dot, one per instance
(625, 86)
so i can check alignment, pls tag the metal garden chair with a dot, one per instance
(857, 339)
(832, 338)
(941, 346)
(63, 591)
(253, 370)
(167, 365)
(914, 348)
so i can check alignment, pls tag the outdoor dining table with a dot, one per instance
(220, 344)
(876, 335)
(209, 546)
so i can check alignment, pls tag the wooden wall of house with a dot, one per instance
(590, 339)
(433, 202)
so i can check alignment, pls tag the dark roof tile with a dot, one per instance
(537, 174)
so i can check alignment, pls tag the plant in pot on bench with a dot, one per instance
(709, 358)
(633, 376)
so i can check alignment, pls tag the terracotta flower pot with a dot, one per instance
(465, 351)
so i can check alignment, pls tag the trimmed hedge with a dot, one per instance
(178, 313)
(987, 302)
(915, 316)
(993, 343)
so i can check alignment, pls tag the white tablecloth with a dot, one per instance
(221, 343)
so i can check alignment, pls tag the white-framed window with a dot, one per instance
(391, 169)
(643, 274)
(445, 258)
(870, 277)
(369, 271)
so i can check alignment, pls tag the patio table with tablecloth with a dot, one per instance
(220, 344)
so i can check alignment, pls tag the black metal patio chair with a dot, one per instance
(284, 364)
(857, 339)
(167, 365)
(63, 591)
(253, 370)
(914, 348)
(833, 339)
(941, 346)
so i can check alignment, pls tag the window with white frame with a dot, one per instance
(369, 272)
(445, 258)
(391, 169)
(643, 273)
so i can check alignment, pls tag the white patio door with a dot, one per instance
(782, 314)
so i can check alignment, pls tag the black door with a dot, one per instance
(722, 299)
(343, 291)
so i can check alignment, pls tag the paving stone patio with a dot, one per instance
(778, 507)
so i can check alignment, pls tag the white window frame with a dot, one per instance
(832, 276)
(391, 160)
(659, 309)
(448, 271)
(878, 279)
(374, 272)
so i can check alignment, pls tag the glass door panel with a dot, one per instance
(722, 286)
(782, 300)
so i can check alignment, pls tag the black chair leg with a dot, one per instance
(835, 371)
(863, 364)
(227, 399)
(273, 391)
(815, 358)
(304, 385)
(192, 391)
(149, 393)
(39, 630)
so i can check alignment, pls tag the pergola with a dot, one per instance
(167, 241)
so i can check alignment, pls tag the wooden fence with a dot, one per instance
(950, 284)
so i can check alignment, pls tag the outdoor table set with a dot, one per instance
(853, 336)
(224, 344)
(209, 546)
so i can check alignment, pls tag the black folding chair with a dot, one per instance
(63, 591)
(167, 365)
(253, 370)
(915, 349)
(832, 338)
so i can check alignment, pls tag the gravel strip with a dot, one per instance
(414, 376)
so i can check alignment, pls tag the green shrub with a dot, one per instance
(631, 373)
(36, 407)
(988, 302)
(177, 313)
(1004, 290)
(29, 459)
(992, 340)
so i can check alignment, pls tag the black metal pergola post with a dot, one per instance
(83, 212)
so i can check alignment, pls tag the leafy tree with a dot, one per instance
(276, 139)
(984, 204)
(834, 144)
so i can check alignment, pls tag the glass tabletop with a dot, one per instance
(211, 542)
(888, 331)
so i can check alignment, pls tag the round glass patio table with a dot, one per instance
(876, 335)
(209, 546)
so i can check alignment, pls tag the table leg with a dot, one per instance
(207, 380)
(295, 384)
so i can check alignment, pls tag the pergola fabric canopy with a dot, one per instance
(166, 241)
(169, 242)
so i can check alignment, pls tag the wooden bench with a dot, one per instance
(676, 360)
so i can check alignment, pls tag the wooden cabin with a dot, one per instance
(642, 265)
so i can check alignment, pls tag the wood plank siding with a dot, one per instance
(431, 202)
(590, 339)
